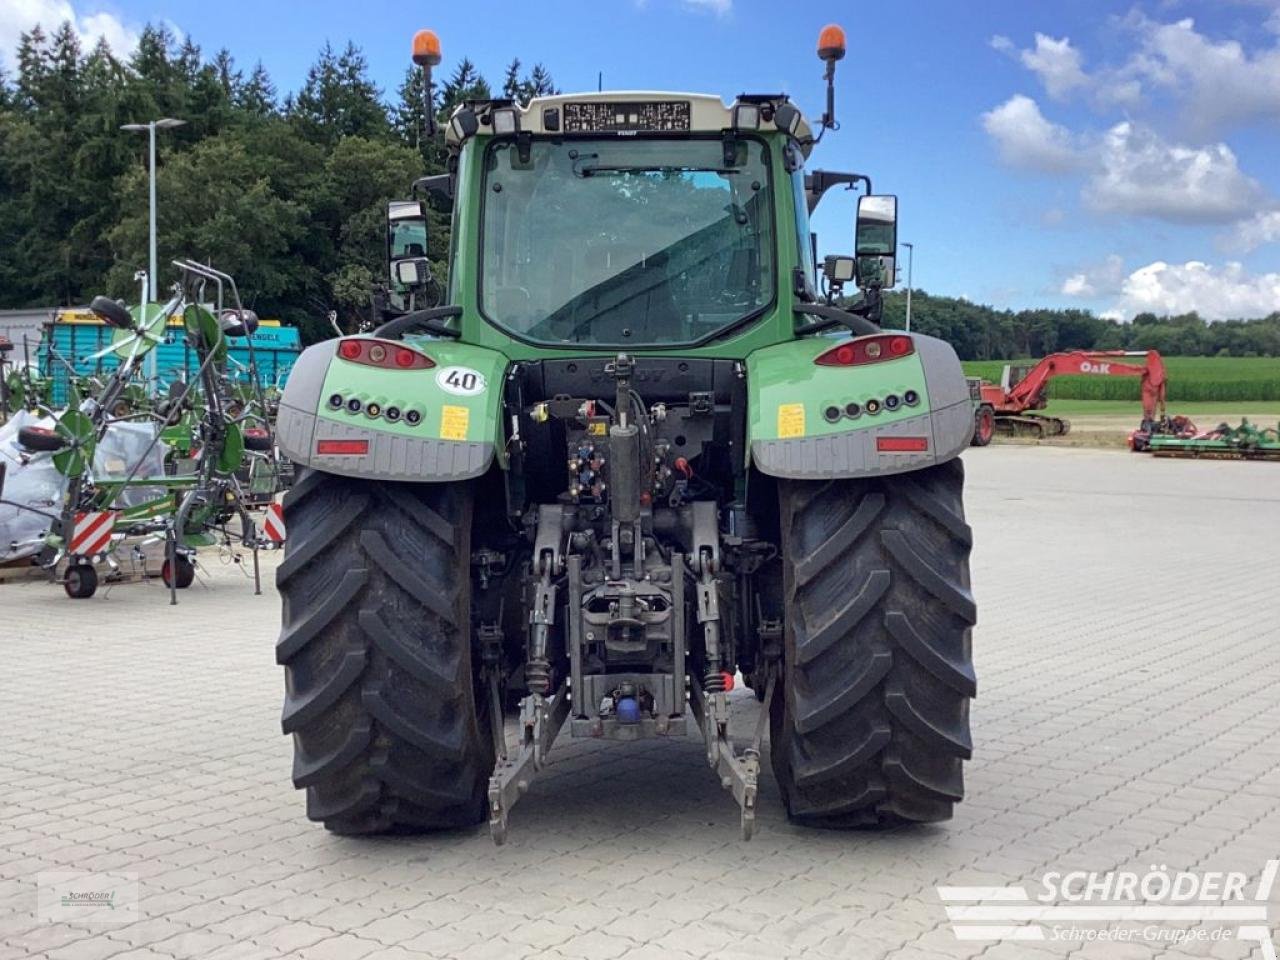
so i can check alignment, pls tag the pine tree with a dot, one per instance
(33, 67)
(540, 83)
(257, 95)
(511, 85)
(62, 93)
(157, 83)
(408, 116)
(188, 60)
(228, 76)
(339, 100)
(466, 83)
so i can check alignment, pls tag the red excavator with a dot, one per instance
(1009, 406)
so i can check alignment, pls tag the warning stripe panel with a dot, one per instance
(92, 532)
(273, 523)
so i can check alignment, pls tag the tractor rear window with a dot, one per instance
(626, 241)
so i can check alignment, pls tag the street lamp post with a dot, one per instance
(911, 254)
(153, 281)
(167, 123)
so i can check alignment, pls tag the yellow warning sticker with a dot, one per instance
(454, 422)
(597, 428)
(790, 420)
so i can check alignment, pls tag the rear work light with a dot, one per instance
(884, 346)
(347, 447)
(382, 353)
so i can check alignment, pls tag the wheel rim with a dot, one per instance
(987, 426)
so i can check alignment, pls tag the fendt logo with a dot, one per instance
(1088, 367)
(1159, 906)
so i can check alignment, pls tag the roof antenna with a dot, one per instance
(599, 81)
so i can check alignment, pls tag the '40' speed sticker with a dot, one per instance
(460, 381)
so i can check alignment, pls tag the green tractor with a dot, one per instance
(636, 458)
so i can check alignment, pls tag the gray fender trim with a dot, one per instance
(948, 425)
(854, 453)
(390, 456)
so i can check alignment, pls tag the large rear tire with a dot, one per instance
(874, 722)
(377, 651)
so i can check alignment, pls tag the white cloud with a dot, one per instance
(1219, 84)
(1141, 174)
(1250, 234)
(719, 7)
(1025, 139)
(1215, 85)
(1216, 293)
(1132, 169)
(19, 16)
(1057, 64)
(1102, 279)
(1077, 285)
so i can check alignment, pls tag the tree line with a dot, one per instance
(981, 332)
(288, 194)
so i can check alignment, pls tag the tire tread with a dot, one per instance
(388, 732)
(873, 726)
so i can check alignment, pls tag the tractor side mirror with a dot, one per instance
(876, 234)
(880, 272)
(407, 245)
(111, 312)
(876, 240)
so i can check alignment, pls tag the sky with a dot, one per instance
(1115, 156)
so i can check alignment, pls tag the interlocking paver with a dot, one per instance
(344, 947)
(93, 948)
(293, 936)
(1115, 728)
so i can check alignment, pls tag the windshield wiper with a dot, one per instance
(650, 168)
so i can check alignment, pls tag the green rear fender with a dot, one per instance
(438, 423)
(808, 420)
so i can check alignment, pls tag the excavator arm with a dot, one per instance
(1028, 393)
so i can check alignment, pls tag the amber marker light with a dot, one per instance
(426, 48)
(831, 43)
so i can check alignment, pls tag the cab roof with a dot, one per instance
(626, 112)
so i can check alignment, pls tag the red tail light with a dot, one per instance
(884, 346)
(382, 353)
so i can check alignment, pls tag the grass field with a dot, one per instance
(1212, 380)
(1230, 409)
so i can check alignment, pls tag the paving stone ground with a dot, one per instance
(1128, 656)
